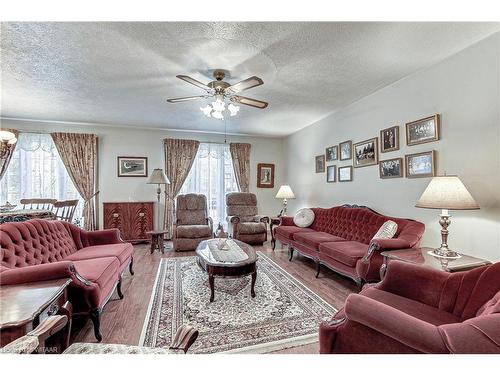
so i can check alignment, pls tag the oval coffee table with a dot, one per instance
(214, 268)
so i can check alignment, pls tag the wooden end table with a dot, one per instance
(210, 265)
(25, 306)
(422, 257)
(157, 241)
(273, 221)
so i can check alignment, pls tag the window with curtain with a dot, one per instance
(37, 171)
(212, 174)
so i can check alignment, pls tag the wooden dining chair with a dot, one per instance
(38, 203)
(64, 210)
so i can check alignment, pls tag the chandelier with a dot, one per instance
(218, 107)
(7, 141)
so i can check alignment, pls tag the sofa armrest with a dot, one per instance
(41, 272)
(415, 282)
(394, 323)
(104, 237)
(287, 221)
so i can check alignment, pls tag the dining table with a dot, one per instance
(25, 214)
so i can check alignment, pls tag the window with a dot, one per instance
(37, 171)
(212, 174)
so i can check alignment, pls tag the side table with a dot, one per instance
(273, 221)
(25, 306)
(421, 256)
(157, 241)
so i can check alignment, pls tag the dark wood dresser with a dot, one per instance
(133, 219)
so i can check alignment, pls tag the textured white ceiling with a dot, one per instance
(121, 73)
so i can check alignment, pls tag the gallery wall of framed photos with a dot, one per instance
(368, 152)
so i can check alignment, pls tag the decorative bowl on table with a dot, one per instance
(7, 207)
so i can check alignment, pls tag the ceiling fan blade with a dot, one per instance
(246, 84)
(249, 101)
(185, 99)
(194, 82)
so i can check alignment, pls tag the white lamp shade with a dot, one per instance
(285, 192)
(447, 192)
(158, 177)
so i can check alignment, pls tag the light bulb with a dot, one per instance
(218, 115)
(233, 109)
(218, 105)
(206, 110)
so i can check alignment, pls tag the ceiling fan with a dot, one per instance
(221, 90)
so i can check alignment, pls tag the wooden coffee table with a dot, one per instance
(215, 268)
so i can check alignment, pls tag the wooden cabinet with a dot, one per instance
(133, 219)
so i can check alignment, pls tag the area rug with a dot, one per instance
(283, 314)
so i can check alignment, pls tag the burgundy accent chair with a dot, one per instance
(40, 250)
(417, 309)
(244, 222)
(341, 239)
(192, 224)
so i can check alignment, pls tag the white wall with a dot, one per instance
(121, 141)
(464, 89)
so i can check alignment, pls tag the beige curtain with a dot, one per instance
(179, 157)
(240, 153)
(9, 150)
(79, 154)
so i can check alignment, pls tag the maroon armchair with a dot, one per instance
(416, 309)
(39, 250)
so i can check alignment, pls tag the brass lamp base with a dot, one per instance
(444, 251)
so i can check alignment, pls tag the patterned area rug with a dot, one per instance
(283, 314)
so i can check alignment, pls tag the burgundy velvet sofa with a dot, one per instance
(39, 250)
(416, 309)
(341, 239)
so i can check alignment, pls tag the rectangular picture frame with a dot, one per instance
(345, 150)
(428, 170)
(389, 139)
(345, 173)
(369, 152)
(391, 168)
(424, 130)
(331, 153)
(265, 175)
(319, 162)
(331, 173)
(132, 166)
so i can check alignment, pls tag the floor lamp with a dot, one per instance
(159, 178)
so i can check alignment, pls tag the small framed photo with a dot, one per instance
(265, 175)
(331, 173)
(422, 164)
(331, 153)
(320, 163)
(345, 150)
(389, 139)
(391, 168)
(423, 130)
(132, 166)
(366, 153)
(345, 174)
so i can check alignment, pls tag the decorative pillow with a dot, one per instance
(387, 230)
(304, 217)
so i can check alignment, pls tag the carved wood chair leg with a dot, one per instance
(273, 242)
(119, 288)
(67, 310)
(95, 316)
(290, 249)
(318, 269)
(131, 266)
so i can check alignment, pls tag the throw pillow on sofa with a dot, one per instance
(387, 230)
(304, 217)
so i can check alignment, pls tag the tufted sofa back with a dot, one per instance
(356, 224)
(34, 242)
(191, 209)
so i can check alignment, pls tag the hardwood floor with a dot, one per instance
(122, 320)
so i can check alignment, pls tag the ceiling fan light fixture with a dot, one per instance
(219, 105)
(233, 109)
(218, 115)
(207, 110)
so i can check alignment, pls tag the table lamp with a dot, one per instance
(285, 192)
(158, 177)
(446, 193)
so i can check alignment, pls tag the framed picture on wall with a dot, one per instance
(345, 174)
(345, 150)
(422, 164)
(391, 168)
(132, 166)
(366, 153)
(423, 130)
(331, 173)
(331, 153)
(265, 175)
(389, 139)
(320, 163)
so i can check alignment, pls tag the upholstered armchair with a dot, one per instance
(416, 309)
(244, 222)
(34, 341)
(192, 224)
